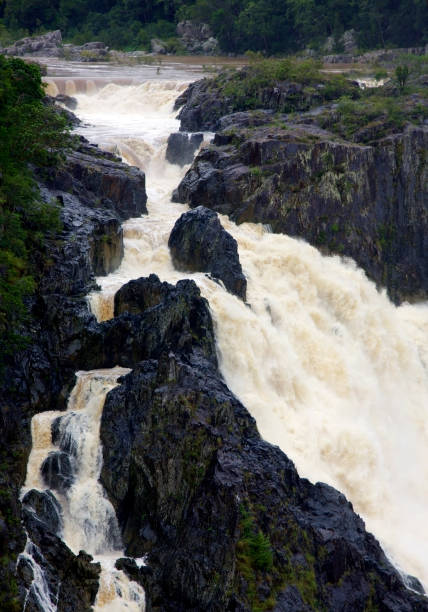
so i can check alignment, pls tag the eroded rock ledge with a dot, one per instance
(365, 201)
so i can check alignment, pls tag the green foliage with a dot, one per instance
(244, 88)
(261, 25)
(357, 114)
(30, 133)
(402, 73)
(254, 544)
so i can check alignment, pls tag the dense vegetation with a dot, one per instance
(31, 132)
(240, 25)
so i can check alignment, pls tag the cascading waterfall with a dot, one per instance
(88, 518)
(333, 372)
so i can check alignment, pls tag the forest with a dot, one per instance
(269, 26)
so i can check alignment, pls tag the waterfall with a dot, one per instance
(333, 372)
(89, 520)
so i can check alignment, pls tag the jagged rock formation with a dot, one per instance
(181, 147)
(40, 377)
(199, 243)
(205, 102)
(364, 201)
(224, 517)
(46, 45)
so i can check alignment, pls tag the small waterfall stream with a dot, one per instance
(88, 519)
(334, 373)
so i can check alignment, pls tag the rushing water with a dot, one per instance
(334, 373)
(89, 520)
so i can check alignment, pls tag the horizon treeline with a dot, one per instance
(269, 26)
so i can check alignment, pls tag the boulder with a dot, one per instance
(45, 507)
(138, 295)
(199, 243)
(67, 101)
(95, 51)
(46, 45)
(197, 37)
(181, 147)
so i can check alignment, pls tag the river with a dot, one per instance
(333, 372)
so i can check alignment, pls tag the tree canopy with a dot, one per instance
(271, 26)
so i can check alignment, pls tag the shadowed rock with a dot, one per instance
(199, 243)
(138, 295)
(46, 508)
(57, 471)
(181, 147)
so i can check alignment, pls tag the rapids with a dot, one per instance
(333, 372)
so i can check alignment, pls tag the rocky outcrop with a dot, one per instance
(223, 516)
(199, 243)
(46, 45)
(181, 147)
(40, 376)
(365, 202)
(71, 580)
(197, 38)
(205, 102)
(95, 51)
(138, 295)
(51, 45)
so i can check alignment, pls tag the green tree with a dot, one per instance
(31, 132)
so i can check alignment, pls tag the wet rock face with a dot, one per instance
(57, 471)
(181, 147)
(96, 192)
(71, 579)
(41, 377)
(198, 242)
(138, 295)
(45, 507)
(224, 517)
(365, 202)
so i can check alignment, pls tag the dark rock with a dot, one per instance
(365, 202)
(46, 508)
(138, 295)
(204, 104)
(72, 579)
(181, 147)
(68, 101)
(179, 449)
(57, 471)
(95, 51)
(413, 583)
(198, 242)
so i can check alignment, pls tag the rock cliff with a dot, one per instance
(96, 192)
(365, 201)
(223, 516)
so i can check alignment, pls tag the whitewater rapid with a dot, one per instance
(333, 372)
